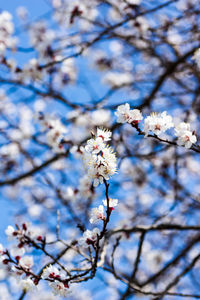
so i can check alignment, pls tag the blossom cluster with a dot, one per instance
(41, 37)
(56, 279)
(6, 31)
(83, 190)
(185, 136)
(126, 115)
(69, 12)
(157, 123)
(99, 159)
(100, 163)
(97, 214)
(55, 131)
(21, 265)
(22, 235)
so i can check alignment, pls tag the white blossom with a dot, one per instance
(6, 30)
(59, 288)
(22, 12)
(41, 37)
(85, 187)
(17, 251)
(185, 136)
(112, 203)
(117, 79)
(99, 160)
(10, 232)
(55, 131)
(97, 214)
(27, 284)
(125, 115)
(157, 123)
(50, 272)
(105, 134)
(26, 262)
(95, 145)
(89, 237)
(100, 117)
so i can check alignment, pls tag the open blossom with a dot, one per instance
(10, 232)
(30, 71)
(41, 36)
(97, 214)
(6, 30)
(112, 203)
(117, 79)
(99, 160)
(59, 288)
(105, 134)
(27, 284)
(51, 272)
(85, 187)
(55, 131)
(95, 145)
(26, 262)
(185, 136)
(158, 123)
(17, 251)
(77, 151)
(96, 174)
(89, 237)
(125, 115)
(102, 166)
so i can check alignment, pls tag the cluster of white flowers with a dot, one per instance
(21, 267)
(117, 7)
(41, 37)
(55, 131)
(89, 237)
(68, 12)
(31, 71)
(18, 265)
(27, 284)
(99, 159)
(66, 73)
(83, 190)
(20, 235)
(56, 280)
(100, 163)
(185, 136)
(84, 121)
(126, 115)
(6, 31)
(158, 123)
(26, 262)
(98, 214)
(112, 203)
(59, 288)
(116, 79)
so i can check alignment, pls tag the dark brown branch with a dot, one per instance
(33, 171)
(133, 275)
